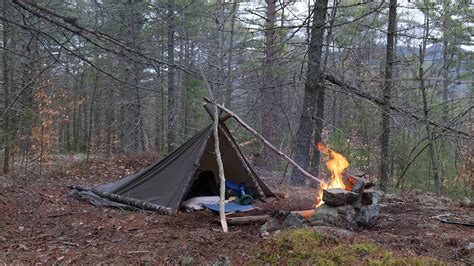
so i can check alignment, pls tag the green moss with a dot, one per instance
(309, 247)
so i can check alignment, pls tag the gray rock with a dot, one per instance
(342, 216)
(368, 197)
(186, 260)
(429, 199)
(466, 202)
(324, 215)
(295, 221)
(272, 225)
(470, 246)
(280, 220)
(366, 216)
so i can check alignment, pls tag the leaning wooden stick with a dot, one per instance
(273, 148)
(220, 165)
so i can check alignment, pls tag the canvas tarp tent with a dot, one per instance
(167, 182)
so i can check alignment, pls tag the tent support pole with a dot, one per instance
(217, 153)
(262, 139)
(129, 201)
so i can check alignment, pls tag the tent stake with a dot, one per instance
(268, 144)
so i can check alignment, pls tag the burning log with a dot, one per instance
(352, 181)
(338, 197)
(306, 214)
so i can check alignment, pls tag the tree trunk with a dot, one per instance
(7, 40)
(446, 61)
(269, 115)
(132, 114)
(314, 83)
(229, 78)
(319, 116)
(429, 133)
(173, 116)
(385, 139)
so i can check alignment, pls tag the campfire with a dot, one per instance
(345, 199)
(336, 165)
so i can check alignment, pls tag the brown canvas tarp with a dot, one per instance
(167, 181)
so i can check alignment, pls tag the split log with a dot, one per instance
(352, 181)
(246, 219)
(129, 201)
(264, 141)
(338, 197)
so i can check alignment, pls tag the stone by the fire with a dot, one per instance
(366, 216)
(338, 197)
(281, 220)
(358, 188)
(368, 196)
(342, 216)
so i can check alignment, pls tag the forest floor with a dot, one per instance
(39, 224)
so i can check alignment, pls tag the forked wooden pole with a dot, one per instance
(220, 165)
(268, 144)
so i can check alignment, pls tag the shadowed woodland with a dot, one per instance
(95, 90)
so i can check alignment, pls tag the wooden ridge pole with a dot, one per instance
(268, 144)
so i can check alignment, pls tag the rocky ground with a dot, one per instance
(39, 224)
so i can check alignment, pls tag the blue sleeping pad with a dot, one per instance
(229, 207)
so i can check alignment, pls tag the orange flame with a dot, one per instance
(336, 165)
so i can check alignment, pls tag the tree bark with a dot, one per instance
(230, 53)
(446, 61)
(319, 115)
(313, 86)
(6, 62)
(132, 114)
(429, 133)
(385, 139)
(269, 114)
(173, 112)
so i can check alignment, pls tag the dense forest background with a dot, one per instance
(388, 84)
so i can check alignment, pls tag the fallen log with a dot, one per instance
(129, 201)
(446, 221)
(246, 219)
(264, 141)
